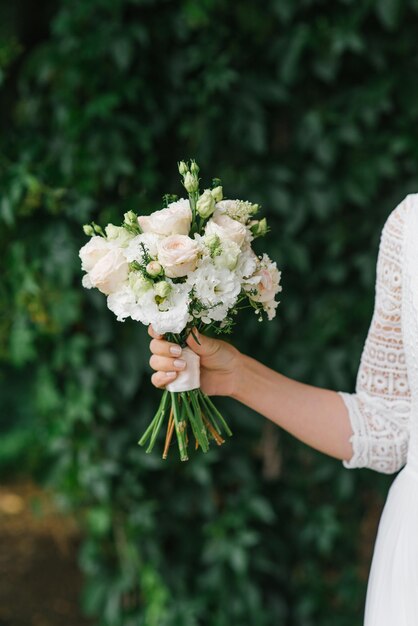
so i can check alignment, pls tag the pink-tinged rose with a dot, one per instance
(266, 286)
(110, 272)
(178, 255)
(92, 252)
(226, 228)
(175, 219)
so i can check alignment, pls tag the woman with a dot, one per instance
(376, 427)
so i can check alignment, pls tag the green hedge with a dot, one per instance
(309, 108)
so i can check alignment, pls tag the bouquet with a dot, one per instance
(187, 265)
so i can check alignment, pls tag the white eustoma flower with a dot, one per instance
(122, 303)
(169, 316)
(217, 289)
(135, 249)
(175, 219)
(247, 262)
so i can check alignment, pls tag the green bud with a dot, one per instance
(191, 182)
(183, 169)
(98, 229)
(259, 227)
(194, 168)
(129, 218)
(217, 193)
(154, 268)
(88, 230)
(205, 205)
(162, 289)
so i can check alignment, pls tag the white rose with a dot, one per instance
(178, 255)
(173, 220)
(225, 227)
(110, 272)
(92, 252)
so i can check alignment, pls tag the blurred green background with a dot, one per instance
(309, 108)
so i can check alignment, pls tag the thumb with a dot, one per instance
(206, 346)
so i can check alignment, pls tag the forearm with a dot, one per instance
(316, 416)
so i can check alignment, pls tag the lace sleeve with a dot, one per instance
(379, 409)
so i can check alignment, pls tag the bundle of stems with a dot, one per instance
(186, 409)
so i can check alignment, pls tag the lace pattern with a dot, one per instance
(380, 408)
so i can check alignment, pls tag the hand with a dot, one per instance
(218, 362)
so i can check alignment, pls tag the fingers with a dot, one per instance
(161, 379)
(161, 347)
(166, 364)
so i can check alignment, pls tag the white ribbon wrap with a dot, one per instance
(189, 378)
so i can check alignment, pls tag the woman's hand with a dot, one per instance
(218, 362)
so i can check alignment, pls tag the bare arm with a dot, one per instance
(316, 416)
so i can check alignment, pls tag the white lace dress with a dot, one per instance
(384, 417)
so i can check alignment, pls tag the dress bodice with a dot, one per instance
(384, 408)
(410, 320)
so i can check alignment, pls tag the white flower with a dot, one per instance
(173, 220)
(178, 254)
(139, 284)
(169, 316)
(118, 235)
(110, 272)
(264, 284)
(92, 252)
(226, 228)
(105, 265)
(135, 249)
(217, 289)
(247, 262)
(239, 210)
(122, 303)
(224, 252)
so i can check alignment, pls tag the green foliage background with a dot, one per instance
(309, 108)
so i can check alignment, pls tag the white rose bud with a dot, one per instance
(154, 268)
(205, 205)
(162, 289)
(182, 168)
(217, 193)
(178, 255)
(191, 182)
